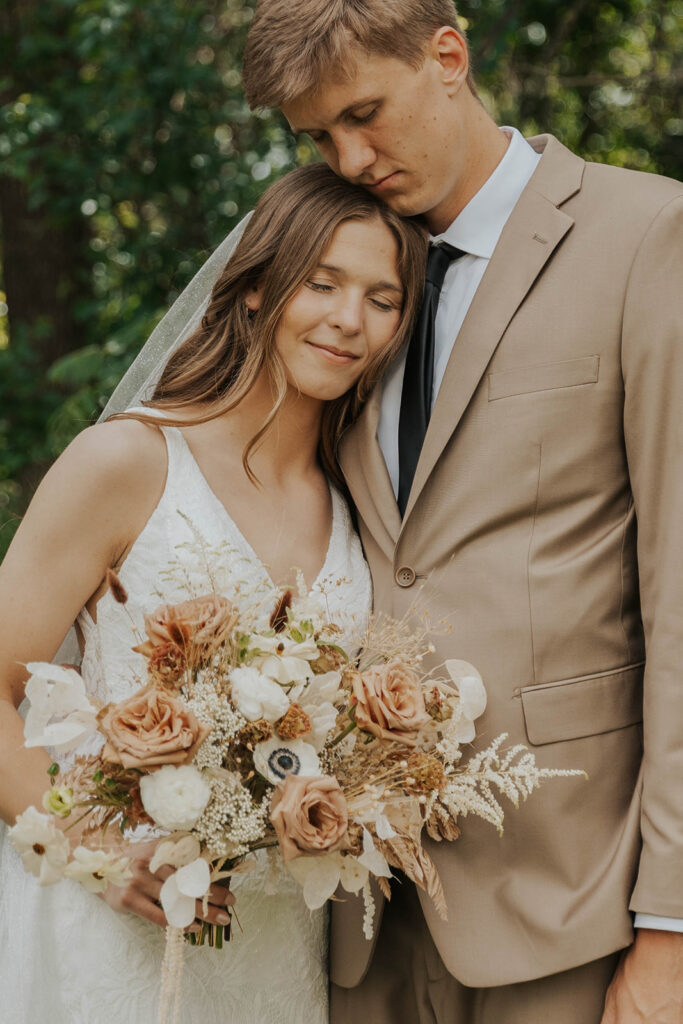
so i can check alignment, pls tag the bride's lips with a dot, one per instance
(336, 355)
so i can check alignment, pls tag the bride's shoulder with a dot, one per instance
(124, 452)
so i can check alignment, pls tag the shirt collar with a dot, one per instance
(478, 227)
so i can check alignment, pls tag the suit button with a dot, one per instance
(405, 576)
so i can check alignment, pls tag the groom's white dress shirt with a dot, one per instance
(475, 231)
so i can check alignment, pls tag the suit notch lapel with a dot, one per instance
(531, 235)
(367, 477)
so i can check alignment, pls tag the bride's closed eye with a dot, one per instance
(320, 286)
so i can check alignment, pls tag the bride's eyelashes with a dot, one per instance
(385, 307)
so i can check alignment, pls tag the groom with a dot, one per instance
(523, 478)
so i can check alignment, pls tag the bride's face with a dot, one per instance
(345, 313)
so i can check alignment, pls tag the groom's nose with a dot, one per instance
(354, 155)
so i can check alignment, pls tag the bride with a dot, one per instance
(238, 442)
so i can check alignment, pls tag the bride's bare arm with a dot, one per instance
(85, 515)
(87, 511)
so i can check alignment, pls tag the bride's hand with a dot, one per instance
(141, 895)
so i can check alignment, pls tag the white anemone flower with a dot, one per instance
(57, 693)
(316, 698)
(175, 797)
(43, 848)
(277, 758)
(472, 702)
(257, 696)
(95, 869)
(181, 889)
(284, 660)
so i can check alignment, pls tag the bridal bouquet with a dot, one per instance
(245, 735)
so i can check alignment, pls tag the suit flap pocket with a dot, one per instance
(584, 706)
(567, 374)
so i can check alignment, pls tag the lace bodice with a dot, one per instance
(67, 956)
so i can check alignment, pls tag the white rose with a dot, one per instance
(256, 696)
(175, 797)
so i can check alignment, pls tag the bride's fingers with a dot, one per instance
(214, 915)
(132, 901)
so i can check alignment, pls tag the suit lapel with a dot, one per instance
(367, 476)
(532, 233)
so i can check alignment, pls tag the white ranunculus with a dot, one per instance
(277, 758)
(57, 693)
(43, 848)
(472, 702)
(181, 889)
(95, 869)
(257, 696)
(175, 797)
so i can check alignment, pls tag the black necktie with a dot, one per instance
(418, 380)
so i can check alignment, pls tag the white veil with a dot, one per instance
(141, 378)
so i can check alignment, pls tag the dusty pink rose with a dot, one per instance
(309, 815)
(150, 729)
(389, 702)
(200, 624)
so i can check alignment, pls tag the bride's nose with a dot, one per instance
(347, 314)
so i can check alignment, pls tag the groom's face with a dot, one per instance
(392, 128)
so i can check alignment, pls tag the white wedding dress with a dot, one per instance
(65, 956)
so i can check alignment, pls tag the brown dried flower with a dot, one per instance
(389, 702)
(424, 774)
(255, 732)
(294, 723)
(196, 628)
(441, 825)
(329, 659)
(166, 664)
(118, 591)
(278, 620)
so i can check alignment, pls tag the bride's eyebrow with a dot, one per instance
(385, 285)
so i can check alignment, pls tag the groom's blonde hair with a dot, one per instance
(293, 44)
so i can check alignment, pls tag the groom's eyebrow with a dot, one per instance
(366, 102)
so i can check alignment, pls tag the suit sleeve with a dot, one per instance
(652, 364)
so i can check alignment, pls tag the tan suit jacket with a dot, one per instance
(546, 523)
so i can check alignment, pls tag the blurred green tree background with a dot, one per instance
(127, 153)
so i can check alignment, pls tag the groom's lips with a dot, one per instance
(381, 183)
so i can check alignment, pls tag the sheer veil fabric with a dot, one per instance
(138, 383)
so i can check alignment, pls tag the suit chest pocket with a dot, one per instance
(525, 380)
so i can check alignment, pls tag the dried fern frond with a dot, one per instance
(512, 773)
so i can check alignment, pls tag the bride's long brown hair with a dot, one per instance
(283, 242)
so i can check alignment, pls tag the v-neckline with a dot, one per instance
(249, 550)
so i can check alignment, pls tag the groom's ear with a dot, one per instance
(449, 49)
